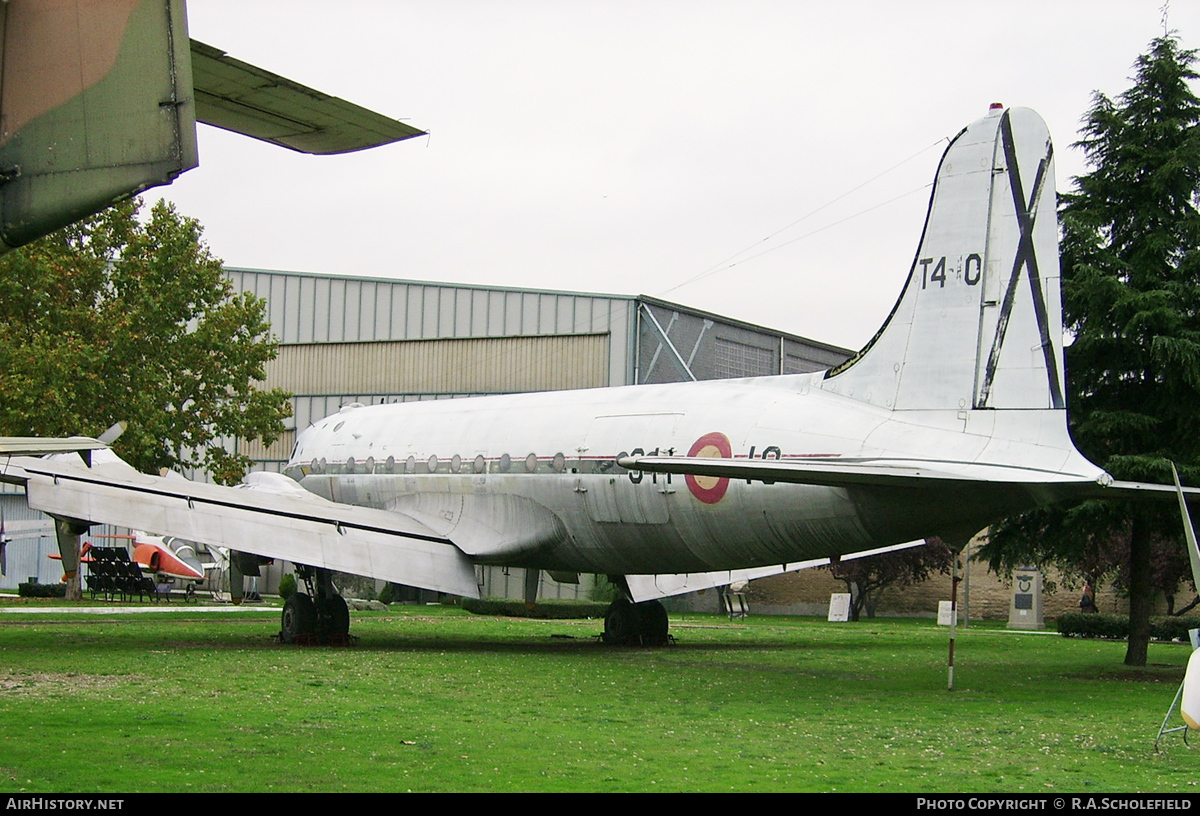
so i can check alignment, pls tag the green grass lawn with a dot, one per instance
(433, 699)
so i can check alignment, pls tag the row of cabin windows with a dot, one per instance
(455, 464)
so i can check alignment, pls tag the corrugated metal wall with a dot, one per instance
(470, 366)
(325, 376)
(306, 309)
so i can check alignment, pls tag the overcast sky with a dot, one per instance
(639, 147)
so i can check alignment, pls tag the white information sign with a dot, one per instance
(839, 606)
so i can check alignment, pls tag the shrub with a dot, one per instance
(1173, 627)
(388, 594)
(28, 590)
(287, 586)
(603, 590)
(1116, 627)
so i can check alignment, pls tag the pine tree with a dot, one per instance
(1131, 307)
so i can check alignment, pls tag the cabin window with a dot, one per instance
(531, 462)
(480, 463)
(390, 464)
(455, 463)
(433, 463)
(505, 462)
(410, 465)
(560, 463)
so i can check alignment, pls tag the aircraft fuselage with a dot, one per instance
(533, 479)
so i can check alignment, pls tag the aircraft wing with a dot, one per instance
(303, 528)
(233, 95)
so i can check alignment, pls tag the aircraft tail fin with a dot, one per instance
(978, 324)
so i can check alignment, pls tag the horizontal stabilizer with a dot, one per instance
(305, 529)
(1140, 491)
(851, 472)
(910, 474)
(233, 95)
(38, 445)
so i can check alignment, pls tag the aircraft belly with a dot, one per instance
(794, 524)
(608, 524)
(750, 528)
(656, 526)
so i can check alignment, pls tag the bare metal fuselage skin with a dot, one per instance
(533, 480)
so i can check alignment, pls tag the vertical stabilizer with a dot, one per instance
(979, 323)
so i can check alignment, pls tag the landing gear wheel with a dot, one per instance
(621, 623)
(652, 623)
(335, 616)
(299, 618)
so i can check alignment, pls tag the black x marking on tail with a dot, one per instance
(1026, 258)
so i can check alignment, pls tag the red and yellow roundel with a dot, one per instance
(710, 489)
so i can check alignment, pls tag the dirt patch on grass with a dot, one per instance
(41, 684)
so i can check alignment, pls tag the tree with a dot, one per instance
(122, 318)
(1131, 304)
(866, 578)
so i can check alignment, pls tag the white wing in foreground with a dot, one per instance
(297, 526)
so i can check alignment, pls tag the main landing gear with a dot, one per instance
(630, 624)
(319, 617)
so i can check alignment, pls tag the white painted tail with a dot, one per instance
(979, 323)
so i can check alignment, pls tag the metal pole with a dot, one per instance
(953, 618)
(967, 587)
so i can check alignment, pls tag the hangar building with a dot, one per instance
(378, 340)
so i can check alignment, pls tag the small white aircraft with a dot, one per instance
(952, 417)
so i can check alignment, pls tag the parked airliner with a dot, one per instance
(951, 417)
